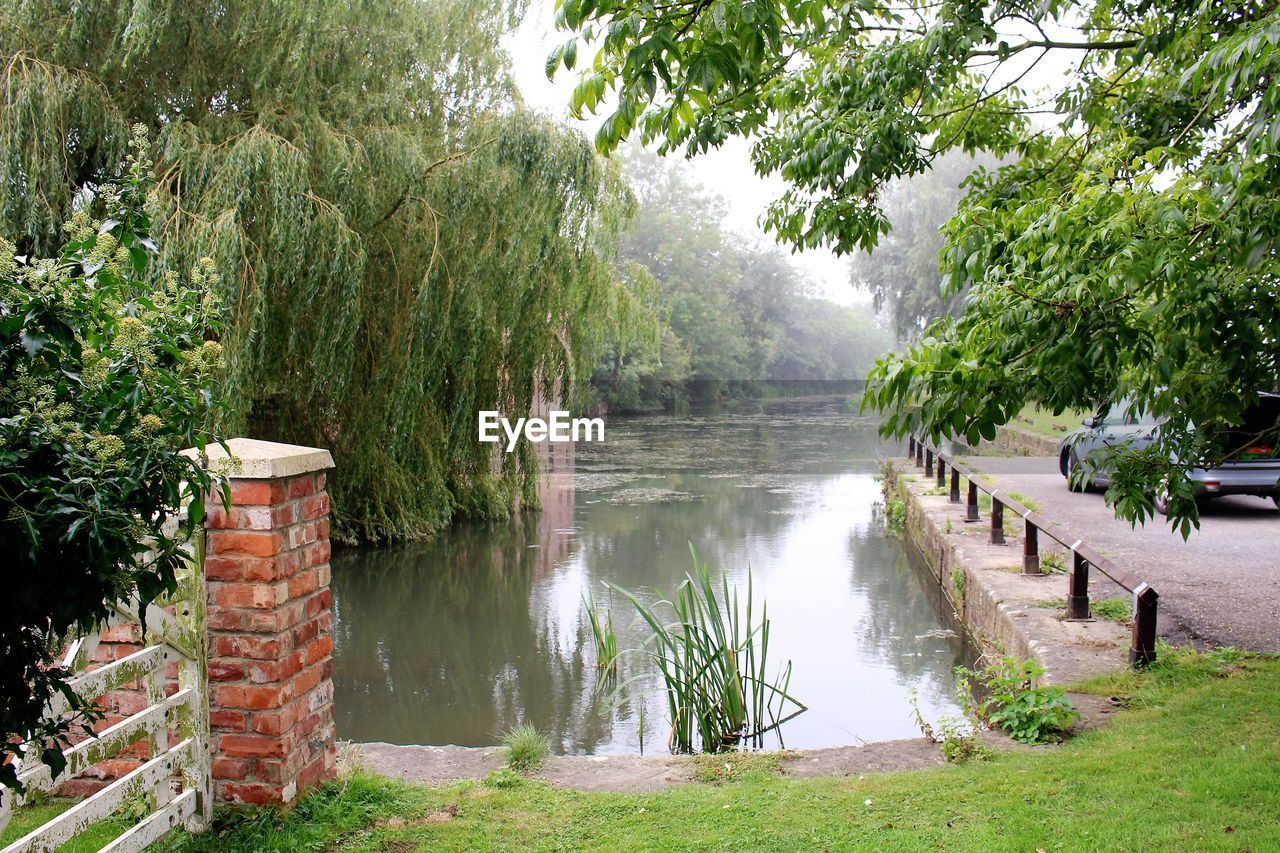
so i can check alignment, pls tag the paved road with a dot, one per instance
(1223, 584)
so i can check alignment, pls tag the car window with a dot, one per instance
(1264, 416)
(1258, 436)
(1117, 415)
(1138, 417)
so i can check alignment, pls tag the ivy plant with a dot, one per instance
(106, 371)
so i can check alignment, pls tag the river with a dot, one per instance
(456, 640)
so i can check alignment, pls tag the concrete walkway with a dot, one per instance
(1222, 585)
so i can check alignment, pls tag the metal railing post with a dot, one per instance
(1142, 648)
(1030, 549)
(1078, 588)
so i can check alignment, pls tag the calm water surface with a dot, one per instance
(457, 640)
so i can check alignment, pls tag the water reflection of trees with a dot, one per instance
(752, 497)
(437, 642)
(781, 437)
(904, 596)
(717, 519)
(455, 640)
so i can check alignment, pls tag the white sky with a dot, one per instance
(726, 171)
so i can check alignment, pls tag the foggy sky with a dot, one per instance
(726, 172)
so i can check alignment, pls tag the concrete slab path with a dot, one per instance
(440, 765)
(1222, 584)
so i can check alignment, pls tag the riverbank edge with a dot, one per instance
(1001, 608)
(443, 765)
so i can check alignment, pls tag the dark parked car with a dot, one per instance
(1252, 468)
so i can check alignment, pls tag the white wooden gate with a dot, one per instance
(176, 780)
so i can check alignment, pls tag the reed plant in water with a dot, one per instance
(712, 657)
(606, 640)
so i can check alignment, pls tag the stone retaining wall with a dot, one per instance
(1014, 441)
(989, 593)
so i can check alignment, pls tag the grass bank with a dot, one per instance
(34, 815)
(1043, 422)
(1190, 766)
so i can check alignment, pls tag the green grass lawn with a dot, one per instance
(29, 817)
(1035, 419)
(1194, 764)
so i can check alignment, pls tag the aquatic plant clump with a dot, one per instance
(712, 658)
(1019, 704)
(602, 633)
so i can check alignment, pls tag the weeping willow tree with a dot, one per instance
(400, 243)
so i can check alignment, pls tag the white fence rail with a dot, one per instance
(175, 781)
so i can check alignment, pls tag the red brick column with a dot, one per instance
(269, 617)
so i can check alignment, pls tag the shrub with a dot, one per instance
(527, 748)
(1017, 704)
(105, 372)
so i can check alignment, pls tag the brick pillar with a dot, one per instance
(269, 616)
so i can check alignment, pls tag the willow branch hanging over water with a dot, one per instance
(400, 244)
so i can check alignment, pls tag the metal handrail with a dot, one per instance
(1142, 647)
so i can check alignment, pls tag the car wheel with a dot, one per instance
(1070, 468)
(1162, 503)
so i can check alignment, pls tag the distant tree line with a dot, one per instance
(727, 318)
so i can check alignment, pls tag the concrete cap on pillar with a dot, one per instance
(251, 459)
